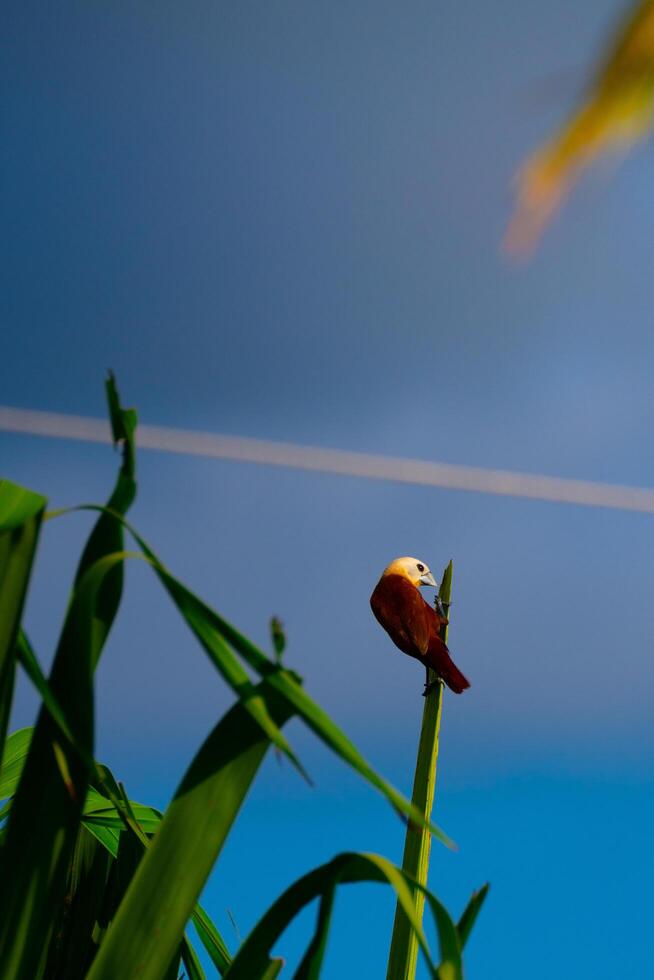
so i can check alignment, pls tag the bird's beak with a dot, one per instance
(428, 579)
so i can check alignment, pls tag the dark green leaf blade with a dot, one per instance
(191, 961)
(13, 759)
(107, 536)
(45, 814)
(101, 818)
(72, 948)
(160, 900)
(198, 617)
(328, 731)
(470, 913)
(37, 850)
(253, 958)
(21, 513)
(211, 939)
(27, 659)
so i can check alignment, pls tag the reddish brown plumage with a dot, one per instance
(414, 627)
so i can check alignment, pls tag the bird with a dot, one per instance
(413, 626)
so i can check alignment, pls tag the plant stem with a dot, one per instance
(403, 956)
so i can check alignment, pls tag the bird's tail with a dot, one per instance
(454, 679)
(439, 660)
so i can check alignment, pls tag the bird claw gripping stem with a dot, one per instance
(442, 608)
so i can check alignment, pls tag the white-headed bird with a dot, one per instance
(411, 623)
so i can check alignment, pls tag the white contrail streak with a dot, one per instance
(375, 467)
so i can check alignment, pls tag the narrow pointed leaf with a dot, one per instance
(21, 512)
(54, 781)
(107, 535)
(211, 939)
(191, 961)
(273, 969)
(253, 958)
(198, 617)
(470, 913)
(160, 900)
(311, 964)
(13, 759)
(27, 659)
(72, 948)
(100, 816)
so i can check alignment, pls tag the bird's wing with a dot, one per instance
(413, 613)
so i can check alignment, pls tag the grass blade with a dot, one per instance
(311, 964)
(470, 913)
(13, 759)
(45, 814)
(273, 970)
(72, 947)
(44, 819)
(101, 818)
(199, 618)
(212, 941)
(21, 512)
(253, 958)
(191, 961)
(160, 900)
(107, 536)
(27, 659)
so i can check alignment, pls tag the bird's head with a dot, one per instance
(417, 572)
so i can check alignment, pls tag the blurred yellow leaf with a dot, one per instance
(618, 111)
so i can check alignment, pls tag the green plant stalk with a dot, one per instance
(403, 955)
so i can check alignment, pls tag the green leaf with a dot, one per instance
(45, 814)
(27, 659)
(191, 961)
(211, 939)
(13, 760)
(127, 851)
(107, 536)
(108, 827)
(328, 731)
(198, 617)
(160, 900)
(109, 837)
(72, 947)
(253, 958)
(101, 817)
(278, 637)
(100, 812)
(311, 964)
(21, 512)
(18, 507)
(470, 913)
(273, 970)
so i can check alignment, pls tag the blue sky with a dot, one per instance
(283, 221)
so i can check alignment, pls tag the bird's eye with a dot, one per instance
(421, 568)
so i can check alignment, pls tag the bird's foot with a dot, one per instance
(430, 687)
(442, 608)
